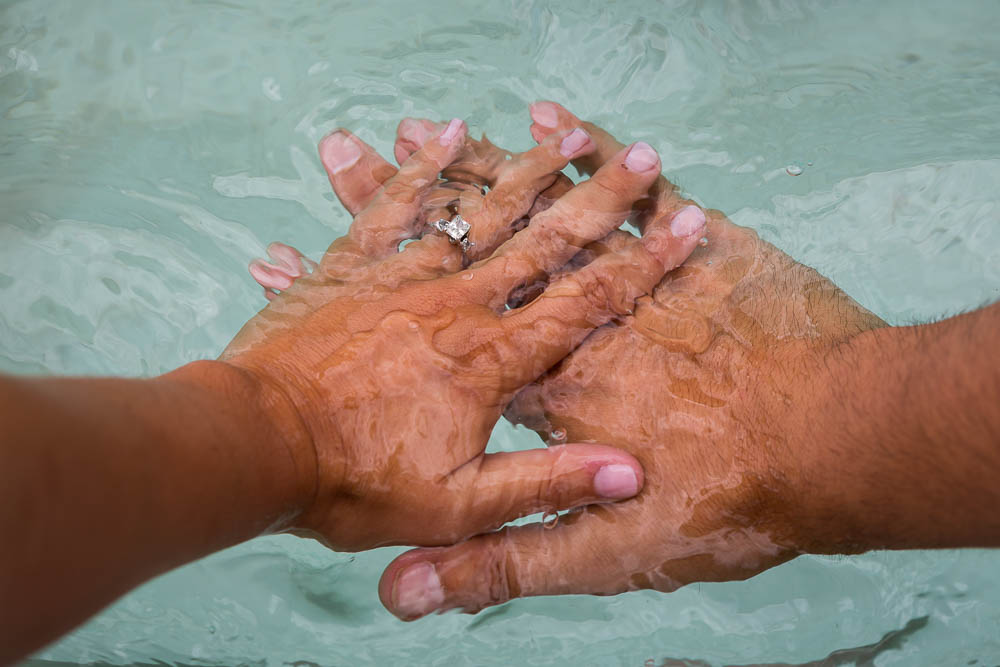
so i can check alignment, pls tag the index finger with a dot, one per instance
(392, 215)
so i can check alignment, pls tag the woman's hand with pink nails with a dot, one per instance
(706, 384)
(388, 368)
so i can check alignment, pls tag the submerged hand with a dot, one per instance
(394, 366)
(708, 385)
(521, 184)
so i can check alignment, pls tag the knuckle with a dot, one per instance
(558, 228)
(609, 185)
(605, 290)
(501, 572)
(714, 214)
(404, 190)
(660, 245)
(545, 159)
(549, 493)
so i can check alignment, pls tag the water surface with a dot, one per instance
(150, 149)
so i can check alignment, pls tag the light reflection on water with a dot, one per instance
(152, 149)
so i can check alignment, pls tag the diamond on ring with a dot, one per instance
(457, 229)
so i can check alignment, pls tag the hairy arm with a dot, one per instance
(905, 440)
(108, 482)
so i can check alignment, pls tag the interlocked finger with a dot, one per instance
(521, 184)
(394, 213)
(584, 214)
(556, 322)
(429, 257)
(448, 198)
(516, 187)
(480, 162)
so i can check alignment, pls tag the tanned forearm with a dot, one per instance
(905, 440)
(108, 482)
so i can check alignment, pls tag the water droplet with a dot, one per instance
(550, 519)
(467, 276)
(703, 241)
(809, 164)
(793, 170)
(709, 262)
(413, 326)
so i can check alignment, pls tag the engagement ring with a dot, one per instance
(457, 229)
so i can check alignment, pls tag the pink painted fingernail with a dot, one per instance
(451, 132)
(688, 221)
(573, 142)
(545, 114)
(287, 257)
(339, 152)
(641, 157)
(270, 276)
(616, 482)
(418, 591)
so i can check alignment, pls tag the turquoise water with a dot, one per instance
(150, 149)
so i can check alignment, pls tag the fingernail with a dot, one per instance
(418, 591)
(616, 481)
(414, 130)
(340, 152)
(270, 276)
(288, 257)
(573, 142)
(545, 114)
(450, 132)
(688, 221)
(641, 157)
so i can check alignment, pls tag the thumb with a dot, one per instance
(497, 488)
(579, 555)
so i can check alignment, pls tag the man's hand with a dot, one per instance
(708, 385)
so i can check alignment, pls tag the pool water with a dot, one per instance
(150, 149)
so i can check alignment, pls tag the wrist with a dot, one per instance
(778, 456)
(271, 454)
(909, 434)
(858, 480)
(826, 508)
(805, 497)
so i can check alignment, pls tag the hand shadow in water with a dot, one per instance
(860, 656)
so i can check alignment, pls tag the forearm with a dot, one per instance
(109, 482)
(906, 440)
